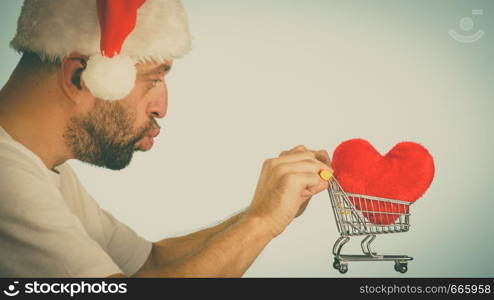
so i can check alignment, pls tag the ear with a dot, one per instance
(71, 68)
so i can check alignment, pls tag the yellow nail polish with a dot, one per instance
(325, 174)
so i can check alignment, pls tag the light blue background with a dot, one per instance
(265, 76)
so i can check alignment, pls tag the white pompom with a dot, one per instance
(109, 78)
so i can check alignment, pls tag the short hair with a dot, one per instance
(32, 62)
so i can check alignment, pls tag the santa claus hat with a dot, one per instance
(114, 34)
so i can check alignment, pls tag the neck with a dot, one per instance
(34, 116)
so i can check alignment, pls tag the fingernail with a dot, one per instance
(326, 174)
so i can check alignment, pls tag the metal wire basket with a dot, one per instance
(361, 215)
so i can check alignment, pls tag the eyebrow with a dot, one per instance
(163, 68)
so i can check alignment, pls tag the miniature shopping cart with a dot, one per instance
(360, 215)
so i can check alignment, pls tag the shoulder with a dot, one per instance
(69, 179)
(66, 171)
(23, 182)
(16, 160)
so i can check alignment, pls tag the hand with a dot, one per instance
(286, 185)
(321, 155)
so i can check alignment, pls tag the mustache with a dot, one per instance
(153, 124)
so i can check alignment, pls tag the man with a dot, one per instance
(73, 98)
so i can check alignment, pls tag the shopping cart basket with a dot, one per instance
(360, 215)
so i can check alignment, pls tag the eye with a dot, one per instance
(155, 82)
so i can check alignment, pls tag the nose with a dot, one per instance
(158, 106)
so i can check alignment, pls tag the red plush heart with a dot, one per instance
(404, 173)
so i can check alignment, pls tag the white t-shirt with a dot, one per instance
(51, 227)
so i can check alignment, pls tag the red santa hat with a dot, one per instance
(114, 34)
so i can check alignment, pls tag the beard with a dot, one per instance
(106, 136)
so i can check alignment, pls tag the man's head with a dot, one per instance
(101, 132)
(107, 61)
(106, 133)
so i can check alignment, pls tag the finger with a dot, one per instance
(306, 194)
(315, 184)
(291, 157)
(326, 174)
(323, 156)
(322, 186)
(316, 189)
(306, 181)
(296, 149)
(302, 207)
(301, 166)
(299, 148)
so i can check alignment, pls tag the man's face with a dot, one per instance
(110, 132)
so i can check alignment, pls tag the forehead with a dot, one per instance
(154, 67)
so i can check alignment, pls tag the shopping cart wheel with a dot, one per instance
(343, 268)
(401, 267)
(336, 264)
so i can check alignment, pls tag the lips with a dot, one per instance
(147, 141)
(153, 133)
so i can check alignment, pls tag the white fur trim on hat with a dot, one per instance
(55, 28)
(109, 78)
